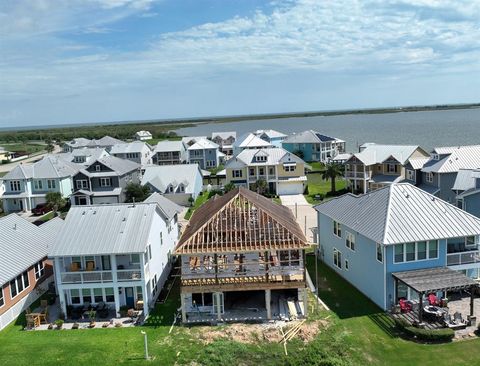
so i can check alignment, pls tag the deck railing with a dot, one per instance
(129, 275)
(86, 277)
(353, 174)
(468, 257)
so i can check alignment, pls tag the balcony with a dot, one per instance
(353, 174)
(468, 257)
(129, 275)
(87, 277)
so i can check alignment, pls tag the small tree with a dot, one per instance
(229, 187)
(260, 186)
(50, 148)
(137, 192)
(332, 171)
(55, 201)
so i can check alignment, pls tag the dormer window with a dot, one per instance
(79, 159)
(435, 156)
(261, 158)
(98, 168)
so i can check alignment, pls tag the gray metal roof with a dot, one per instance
(466, 179)
(461, 157)
(250, 140)
(274, 156)
(119, 166)
(168, 208)
(270, 133)
(78, 142)
(224, 135)
(376, 153)
(203, 143)
(105, 229)
(22, 244)
(308, 137)
(435, 279)
(51, 166)
(400, 213)
(105, 141)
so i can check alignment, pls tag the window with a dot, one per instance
(2, 301)
(470, 241)
(261, 158)
(75, 296)
(51, 184)
(105, 182)
(429, 177)
(350, 241)
(39, 270)
(154, 284)
(289, 168)
(161, 238)
(237, 173)
(380, 253)
(38, 184)
(391, 168)
(98, 168)
(76, 262)
(135, 258)
(435, 156)
(15, 185)
(139, 293)
(421, 250)
(251, 171)
(410, 252)
(411, 175)
(261, 171)
(79, 159)
(398, 253)
(433, 249)
(181, 188)
(346, 264)
(109, 296)
(97, 295)
(82, 184)
(210, 163)
(170, 189)
(337, 229)
(90, 263)
(13, 289)
(86, 295)
(337, 258)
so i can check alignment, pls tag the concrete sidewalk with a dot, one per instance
(305, 214)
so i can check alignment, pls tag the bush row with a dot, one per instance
(429, 335)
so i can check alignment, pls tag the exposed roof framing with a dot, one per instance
(241, 221)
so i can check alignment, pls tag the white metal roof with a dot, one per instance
(250, 140)
(270, 133)
(376, 153)
(131, 147)
(143, 133)
(166, 146)
(400, 213)
(274, 155)
(105, 141)
(224, 135)
(22, 244)
(203, 143)
(51, 166)
(466, 157)
(466, 179)
(168, 208)
(105, 229)
(160, 176)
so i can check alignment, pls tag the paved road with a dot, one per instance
(7, 167)
(304, 212)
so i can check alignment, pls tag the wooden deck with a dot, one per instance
(412, 318)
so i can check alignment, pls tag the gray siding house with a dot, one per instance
(104, 181)
(440, 172)
(467, 189)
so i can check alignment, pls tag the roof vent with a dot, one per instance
(124, 219)
(14, 226)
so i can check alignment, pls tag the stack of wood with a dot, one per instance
(292, 332)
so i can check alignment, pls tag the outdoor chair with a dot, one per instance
(432, 300)
(405, 306)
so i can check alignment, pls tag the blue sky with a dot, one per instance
(108, 60)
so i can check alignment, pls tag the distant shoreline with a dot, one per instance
(178, 123)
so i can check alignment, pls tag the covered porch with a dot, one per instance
(432, 310)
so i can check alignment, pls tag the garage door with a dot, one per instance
(104, 200)
(289, 188)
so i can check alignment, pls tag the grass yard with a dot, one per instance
(316, 185)
(201, 199)
(154, 142)
(371, 335)
(29, 148)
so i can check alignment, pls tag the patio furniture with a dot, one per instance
(33, 320)
(405, 306)
(456, 323)
(90, 266)
(74, 267)
(432, 300)
(433, 313)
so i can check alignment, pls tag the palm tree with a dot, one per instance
(332, 171)
(260, 186)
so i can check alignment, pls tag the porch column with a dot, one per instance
(219, 306)
(420, 307)
(305, 302)
(62, 300)
(395, 300)
(184, 312)
(113, 265)
(116, 295)
(472, 301)
(267, 303)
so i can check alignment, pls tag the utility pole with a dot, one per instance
(316, 278)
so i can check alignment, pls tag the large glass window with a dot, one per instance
(97, 295)
(421, 250)
(350, 241)
(38, 184)
(51, 184)
(2, 301)
(433, 249)
(398, 253)
(380, 252)
(15, 185)
(410, 252)
(39, 270)
(86, 294)
(337, 258)
(75, 296)
(109, 296)
(337, 229)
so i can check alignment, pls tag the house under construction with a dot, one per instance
(242, 258)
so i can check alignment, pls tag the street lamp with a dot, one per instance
(146, 344)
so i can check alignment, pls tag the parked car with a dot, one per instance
(40, 209)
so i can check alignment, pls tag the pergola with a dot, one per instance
(425, 281)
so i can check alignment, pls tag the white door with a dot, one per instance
(289, 188)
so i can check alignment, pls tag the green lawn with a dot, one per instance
(153, 142)
(198, 202)
(316, 185)
(370, 334)
(29, 148)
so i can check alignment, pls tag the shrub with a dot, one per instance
(401, 323)
(430, 335)
(59, 323)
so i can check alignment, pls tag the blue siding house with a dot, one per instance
(314, 146)
(273, 137)
(398, 228)
(467, 190)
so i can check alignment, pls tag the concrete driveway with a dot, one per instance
(305, 214)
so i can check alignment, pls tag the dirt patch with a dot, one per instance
(252, 333)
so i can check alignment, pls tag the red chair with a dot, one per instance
(405, 306)
(432, 300)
